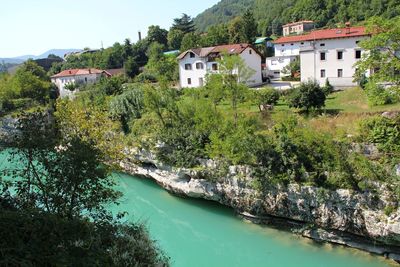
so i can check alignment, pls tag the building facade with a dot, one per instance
(298, 27)
(328, 54)
(195, 64)
(76, 77)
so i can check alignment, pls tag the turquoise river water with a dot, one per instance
(203, 233)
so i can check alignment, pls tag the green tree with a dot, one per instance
(175, 37)
(293, 68)
(308, 95)
(250, 26)
(235, 74)
(129, 105)
(190, 41)
(157, 34)
(237, 31)
(266, 96)
(127, 49)
(184, 23)
(216, 35)
(131, 67)
(383, 46)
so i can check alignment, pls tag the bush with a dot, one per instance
(308, 95)
(328, 88)
(266, 96)
(145, 78)
(382, 131)
(290, 79)
(378, 95)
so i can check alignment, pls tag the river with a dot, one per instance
(202, 233)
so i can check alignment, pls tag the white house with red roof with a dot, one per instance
(76, 77)
(325, 54)
(196, 63)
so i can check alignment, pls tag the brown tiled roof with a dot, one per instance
(76, 72)
(115, 72)
(230, 49)
(324, 34)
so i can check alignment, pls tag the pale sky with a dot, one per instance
(31, 27)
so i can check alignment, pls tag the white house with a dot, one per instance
(298, 27)
(77, 77)
(285, 52)
(195, 63)
(326, 54)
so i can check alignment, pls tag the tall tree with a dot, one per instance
(216, 35)
(157, 34)
(236, 29)
(175, 37)
(127, 49)
(184, 23)
(384, 51)
(191, 40)
(250, 26)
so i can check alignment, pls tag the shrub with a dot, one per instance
(328, 88)
(266, 96)
(378, 95)
(308, 95)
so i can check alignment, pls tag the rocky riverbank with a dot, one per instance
(340, 216)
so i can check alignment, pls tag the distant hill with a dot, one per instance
(21, 59)
(222, 12)
(271, 14)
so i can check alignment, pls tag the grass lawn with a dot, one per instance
(355, 100)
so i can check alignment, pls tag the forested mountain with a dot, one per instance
(271, 14)
(222, 12)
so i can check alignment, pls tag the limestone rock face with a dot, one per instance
(361, 214)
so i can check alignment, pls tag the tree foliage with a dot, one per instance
(308, 95)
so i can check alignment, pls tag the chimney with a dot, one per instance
(140, 36)
(348, 24)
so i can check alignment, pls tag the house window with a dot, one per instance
(188, 66)
(85, 79)
(339, 55)
(250, 51)
(340, 73)
(358, 54)
(214, 66)
(283, 44)
(199, 66)
(322, 44)
(192, 55)
(189, 81)
(291, 44)
(357, 42)
(301, 43)
(323, 74)
(322, 56)
(201, 81)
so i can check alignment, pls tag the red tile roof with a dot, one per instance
(324, 34)
(76, 72)
(230, 49)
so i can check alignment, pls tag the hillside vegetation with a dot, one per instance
(271, 14)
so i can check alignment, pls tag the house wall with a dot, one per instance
(275, 65)
(290, 49)
(60, 82)
(252, 60)
(311, 64)
(194, 74)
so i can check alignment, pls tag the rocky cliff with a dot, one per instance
(340, 216)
